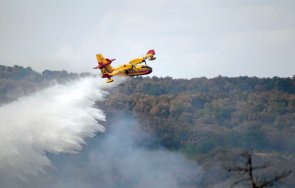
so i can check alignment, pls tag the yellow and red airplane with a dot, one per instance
(135, 67)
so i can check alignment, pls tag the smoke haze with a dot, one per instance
(42, 136)
(121, 157)
(55, 120)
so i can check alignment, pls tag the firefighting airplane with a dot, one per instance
(135, 67)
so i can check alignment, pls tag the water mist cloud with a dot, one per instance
(123, 159)
(55, 120)
(36, 132)
(124, 156)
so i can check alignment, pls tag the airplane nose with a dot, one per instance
(150, 69)
(146, 69)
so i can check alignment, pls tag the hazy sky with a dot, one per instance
(192, 38)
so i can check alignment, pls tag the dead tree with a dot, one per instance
(246, 174)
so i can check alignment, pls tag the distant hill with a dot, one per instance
(210, 120)
(17, 81)
(240, 112)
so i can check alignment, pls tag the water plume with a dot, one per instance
(54, 120)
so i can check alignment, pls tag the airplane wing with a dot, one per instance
(149, 55)
(136, 61)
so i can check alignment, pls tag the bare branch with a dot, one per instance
(247, 170)
(239, 181)
(265, 165)
(276, 178)
(238, 169)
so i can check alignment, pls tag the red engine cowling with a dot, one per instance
(151, 52)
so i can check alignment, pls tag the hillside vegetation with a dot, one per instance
(18, 81)
(200, 114)
(208, 120)
(212, 120)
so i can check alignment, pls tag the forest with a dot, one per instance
(17, 81)
(212, 121)
(200, 115)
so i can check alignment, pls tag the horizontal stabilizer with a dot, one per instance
(96, 67)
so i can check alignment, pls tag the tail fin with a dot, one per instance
(100, 58)
(104, 63)
(101, 61)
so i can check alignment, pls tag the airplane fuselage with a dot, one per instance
(139, 70)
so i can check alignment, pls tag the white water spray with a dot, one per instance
(55, 120)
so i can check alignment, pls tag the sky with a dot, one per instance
(192, 38)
